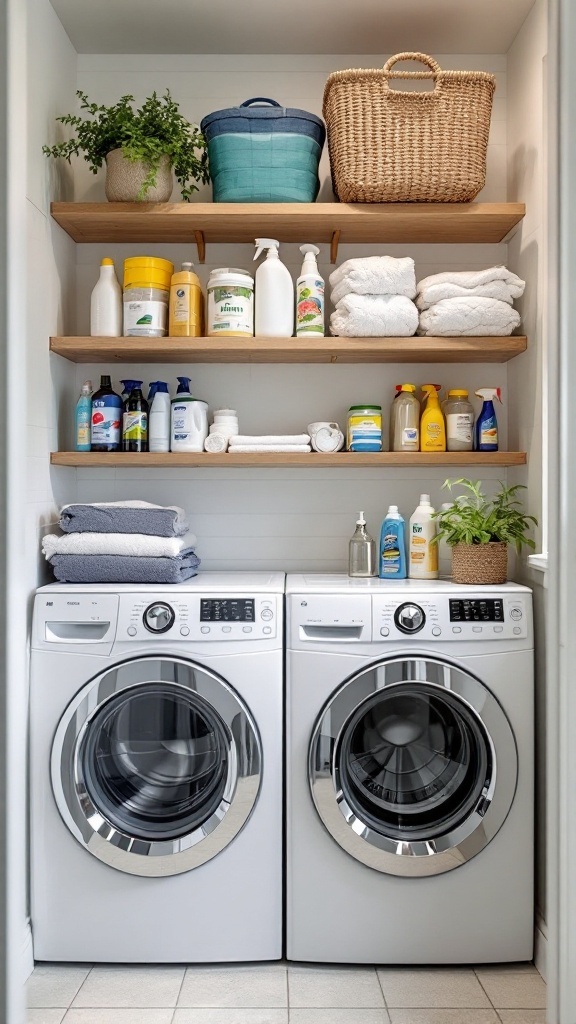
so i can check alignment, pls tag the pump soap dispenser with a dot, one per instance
(361, 551)
(274, 298)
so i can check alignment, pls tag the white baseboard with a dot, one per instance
(27, 954)
(541, 946)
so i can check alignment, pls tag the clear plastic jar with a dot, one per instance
(459, 414)
(146, 312)
(365, 428)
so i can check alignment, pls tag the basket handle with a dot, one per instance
(435, 68)
(260, 99)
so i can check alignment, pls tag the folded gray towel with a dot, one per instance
(124, 568)
(125, 517)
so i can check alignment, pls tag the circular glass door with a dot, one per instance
(413, 767)
(156, 766)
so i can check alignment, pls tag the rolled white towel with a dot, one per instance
(138, 544)
(474, 315)
(270, 439)
(374, 275)
(374, 316)
(493, 283)
(216, 443)
(245, 449)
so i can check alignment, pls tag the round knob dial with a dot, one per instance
(158, 617)
(409, 618)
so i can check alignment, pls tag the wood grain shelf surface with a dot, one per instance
(288, 350)
(289, 222)
(123, 460)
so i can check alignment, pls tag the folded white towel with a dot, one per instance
(469, 316)
(138, 544)
(240, 449)
(270, 439)
(493, 283)
(374, 316)
(374, 275)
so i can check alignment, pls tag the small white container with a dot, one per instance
(159, 423)
(423, 554)
(106, 303)
(230, 312)
(146, 312)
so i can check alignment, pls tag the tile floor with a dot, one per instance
(279, 993)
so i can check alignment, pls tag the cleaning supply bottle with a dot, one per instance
(274, 303)
(186, 304)
(128, 386)
(361, 551)
(310, 295)
(135, 422)
(423, 557)
(392, 558)
(106, 424)
(405, 420)
(159, 422)
(189, 427)
(106, 303)
(486, 424)
(83, 417)
(459, 415)
(432, 425)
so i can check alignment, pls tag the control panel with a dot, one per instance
(428, 618)
(193, 617)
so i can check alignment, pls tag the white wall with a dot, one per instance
(527, 144)
(287, 519)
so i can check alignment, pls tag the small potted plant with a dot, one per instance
(142, 147)
(479, 530)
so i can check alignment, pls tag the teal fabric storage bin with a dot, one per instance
(264, 154)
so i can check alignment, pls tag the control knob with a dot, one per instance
(267, 614)
(409, 618)
(158, 617)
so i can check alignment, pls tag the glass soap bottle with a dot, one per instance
(361, 552)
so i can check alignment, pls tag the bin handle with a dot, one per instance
(434, 71)
(260, 99)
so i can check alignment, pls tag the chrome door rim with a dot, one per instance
(118, 848)
(399, 856)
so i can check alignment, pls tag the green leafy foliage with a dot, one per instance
(475, 519)
(147, 133)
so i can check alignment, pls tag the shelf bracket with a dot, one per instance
(334, 243)
(201, 246)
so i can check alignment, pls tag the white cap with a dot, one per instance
(393, 508)
(425, 499)
(361, 521)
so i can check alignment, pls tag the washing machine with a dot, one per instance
(156, 770)
(410, 763)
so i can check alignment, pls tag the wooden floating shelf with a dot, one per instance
(289, 350)
(333, 223)
(125, 460)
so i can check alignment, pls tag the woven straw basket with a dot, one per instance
(392, 146)
(480, 563)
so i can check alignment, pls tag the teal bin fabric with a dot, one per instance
(264, 154)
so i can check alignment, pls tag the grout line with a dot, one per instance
(90, 969)
(479, 979)
(382, 990)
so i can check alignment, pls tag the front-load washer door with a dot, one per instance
(413, 766)
(156, 766)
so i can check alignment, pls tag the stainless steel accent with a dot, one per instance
(90, 823)
(370, 840)
(158, 617)
(409, 618)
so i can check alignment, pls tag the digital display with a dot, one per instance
(227, 610)
(476, 611)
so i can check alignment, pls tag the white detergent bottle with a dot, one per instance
(274, 298)
(159, 421)
(310, 296)
(106, 309)
(423, 554)
(189, 420)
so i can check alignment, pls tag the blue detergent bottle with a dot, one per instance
(392, 556)
(487, 424)
(83, 417)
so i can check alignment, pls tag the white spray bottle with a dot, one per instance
(310, 295)
(274, 300)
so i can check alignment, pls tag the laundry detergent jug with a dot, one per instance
(189, 427)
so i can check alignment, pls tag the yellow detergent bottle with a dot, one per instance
(186, 304)
(432, 424)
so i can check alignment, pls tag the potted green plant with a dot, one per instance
(142, 147)
(479, 530)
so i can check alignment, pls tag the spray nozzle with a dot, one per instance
(183, 385)
(360, 521)
(267, 243)
(309, 250)
(489, 394)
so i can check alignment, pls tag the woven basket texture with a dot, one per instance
(480, 563)
(389, 145)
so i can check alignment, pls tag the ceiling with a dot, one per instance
(291, 26)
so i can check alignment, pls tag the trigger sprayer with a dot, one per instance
(487, 424)
(271, 244)
(274, 298)
(310, 295)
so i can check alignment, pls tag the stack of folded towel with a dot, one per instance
(244, 443)
(373, 298)
(122, 542)
(467, 302)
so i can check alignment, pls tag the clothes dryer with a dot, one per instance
(156, 770)
(410, 763)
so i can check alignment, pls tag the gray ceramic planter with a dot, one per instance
(124, 179)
